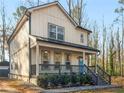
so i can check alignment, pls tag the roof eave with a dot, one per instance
(25, 15)
(69, 44)
(79, 27)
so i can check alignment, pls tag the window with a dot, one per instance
(12, 66)
(56, 32)
(60, 33)
(82, 38)
(57, 58)
(52, 31)
(16, 66)
(45, 59)
(67, 61)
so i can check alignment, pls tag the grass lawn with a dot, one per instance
(116, 90)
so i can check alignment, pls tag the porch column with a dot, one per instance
(63, 62)
(51, 56)
(37, 60)
(63, 58)
(96, 62)
(84, 58)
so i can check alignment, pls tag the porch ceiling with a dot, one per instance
(65, 45)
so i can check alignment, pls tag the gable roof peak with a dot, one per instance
(62, 8)
(43, 5)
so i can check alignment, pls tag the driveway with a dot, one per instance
(17, 86)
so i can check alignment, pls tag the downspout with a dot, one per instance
(29, 47)
(9, 60)
(29, 16)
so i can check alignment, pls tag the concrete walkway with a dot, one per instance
(75, 89)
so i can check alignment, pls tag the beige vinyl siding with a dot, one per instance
(53, 14)
(19, 51)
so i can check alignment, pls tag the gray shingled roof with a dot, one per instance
(66, 43)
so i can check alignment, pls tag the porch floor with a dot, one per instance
(81, 88)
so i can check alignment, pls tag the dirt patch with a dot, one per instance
(117, 80)
(20, 86)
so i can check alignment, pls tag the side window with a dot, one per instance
(12, 66)
(82, 38)
(16, 66)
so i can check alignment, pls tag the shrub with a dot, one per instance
(46, 81)
(65, 79)
(85, 79)
(55, 79)
(42, 81)
(75, 79)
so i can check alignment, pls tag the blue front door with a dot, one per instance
(81, 64)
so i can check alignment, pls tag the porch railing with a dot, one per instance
(104, 75)
(73, 69)
(64, 69)
(58, 69)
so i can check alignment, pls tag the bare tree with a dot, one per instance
(118, 49)
(111, 53)
(103, 45)
(6, 29)
(76, 10)
(3, 29)
(120, 11)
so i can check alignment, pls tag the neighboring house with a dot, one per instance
(4, 69)
(46, 38)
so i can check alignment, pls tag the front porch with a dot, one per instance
(58, 61)
(63, 59)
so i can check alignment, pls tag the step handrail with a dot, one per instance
(104, 74)
(96, 78)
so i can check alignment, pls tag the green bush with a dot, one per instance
(55, 79)
(85, 79)
(42, 81)
(75, 79)
(65, 79)
(46, 81)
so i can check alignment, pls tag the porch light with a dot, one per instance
(45, 51)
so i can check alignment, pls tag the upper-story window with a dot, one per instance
(56, 32)
(82, 38)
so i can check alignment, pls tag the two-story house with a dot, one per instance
(45, 39)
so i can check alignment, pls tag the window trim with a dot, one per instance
(49, 31)
(82, 41)
(56, 32)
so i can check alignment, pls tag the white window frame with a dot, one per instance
(56, 32)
